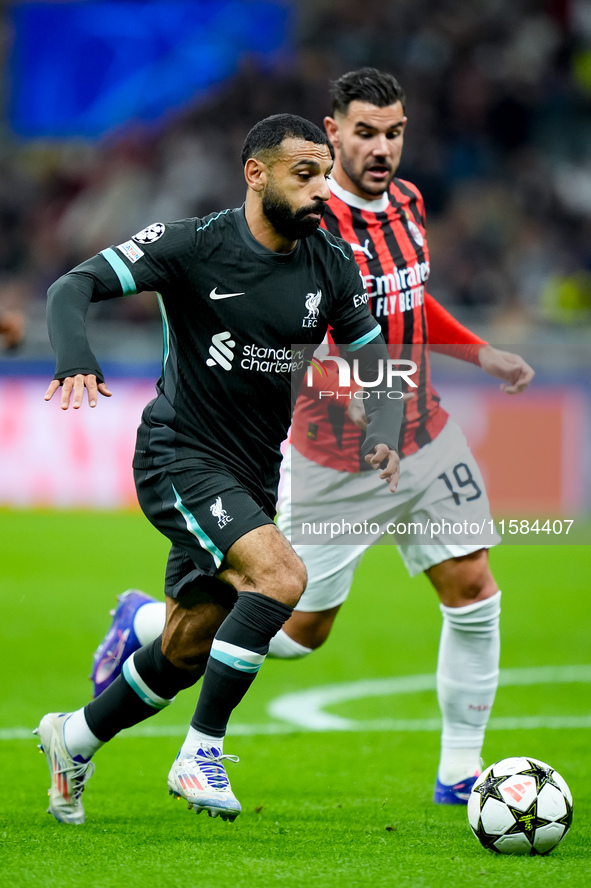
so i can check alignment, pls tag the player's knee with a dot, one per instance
(476, 583)
(292, 582)
(471, 588)
(464, 580)
(285, 579)
(469, 592)
(266, 563)
(311, 628)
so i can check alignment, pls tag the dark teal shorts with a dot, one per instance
(202, 511)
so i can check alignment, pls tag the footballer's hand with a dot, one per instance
(73, 388)
(391, 470)
(512, 369)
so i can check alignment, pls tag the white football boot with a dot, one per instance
(67, 775)
(202, 781)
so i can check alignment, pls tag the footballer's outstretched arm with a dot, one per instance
(447, 335)
(512, 369)
(76, 366)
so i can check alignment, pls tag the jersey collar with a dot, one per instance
(380, 205)
(263, 252)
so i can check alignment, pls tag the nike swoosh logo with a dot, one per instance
(237, 664)
(214, 295)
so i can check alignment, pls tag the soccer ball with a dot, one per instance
(520, 806)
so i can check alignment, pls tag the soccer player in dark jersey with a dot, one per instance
(237, 290)
(383, 219)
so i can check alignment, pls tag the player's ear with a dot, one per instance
(332, 131)
(255, 173)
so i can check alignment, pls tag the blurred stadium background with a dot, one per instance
(117, 114)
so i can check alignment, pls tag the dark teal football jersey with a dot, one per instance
(240, 323)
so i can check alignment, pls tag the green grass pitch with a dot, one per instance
(327, 809)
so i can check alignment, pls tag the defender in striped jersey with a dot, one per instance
(383, 219)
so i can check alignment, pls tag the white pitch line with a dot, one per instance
(168, 731)
(385, 725)
(302, 712)
(306, 708)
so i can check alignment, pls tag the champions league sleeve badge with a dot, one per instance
(150, 234)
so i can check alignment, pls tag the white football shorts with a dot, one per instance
(439, 511)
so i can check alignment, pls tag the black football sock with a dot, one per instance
(147, 684)
(237, 652)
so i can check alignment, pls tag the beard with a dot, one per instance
(294, 225)
(373, 188)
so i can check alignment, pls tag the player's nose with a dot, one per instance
(381, 146)
(322, 191)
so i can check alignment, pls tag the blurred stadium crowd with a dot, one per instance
(498, 140)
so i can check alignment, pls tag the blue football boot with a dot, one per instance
(119, 642)
(454, 793)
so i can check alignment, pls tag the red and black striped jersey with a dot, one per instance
(389, 240)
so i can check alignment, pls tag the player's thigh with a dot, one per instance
(330, 575)
(449, 516)
(454, 499)
(203, 512)
(321, 506)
